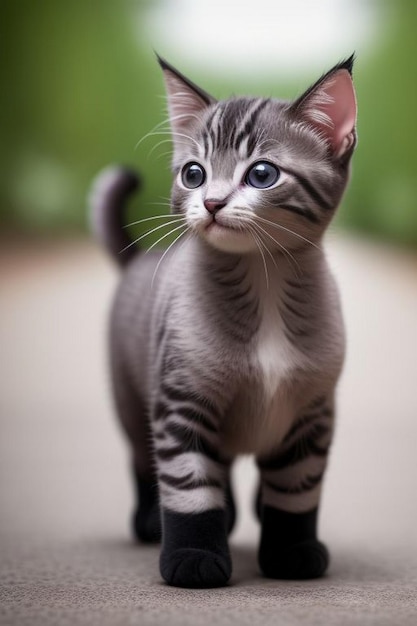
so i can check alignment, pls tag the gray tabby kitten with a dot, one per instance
(234, 343)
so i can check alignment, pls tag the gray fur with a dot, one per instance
(234, 342)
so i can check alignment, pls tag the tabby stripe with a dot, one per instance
(188, 482)
(302, 423)
(249, 123)
(206, 146)
(189, 442)
(306, 485)
(219, 139)
(240, 296)
(237, 294)
(295, 312)
(246, 115)
(163, 409)
(296, 453)
(251, 145)
(307, 213)
(251, 309)
(178, 395)
(292, 332)
(292, 297)
(318, 402)
(210, 128)
(195, 416)
(234, 282)
(232, 113)
(299, 285)
(312, 191)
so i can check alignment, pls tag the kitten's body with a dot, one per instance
(233, 342)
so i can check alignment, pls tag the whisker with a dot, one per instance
(164, 154)
(132, 243)
(288, 230)
(147, 219)
(281, 246)
(149, 232)
(163, 237)
(160, 143)
(152, 133)
(159, 130)
(265, 246)
(166, 252)
(256, 240)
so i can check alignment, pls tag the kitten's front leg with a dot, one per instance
(192, 480)
(291, 483)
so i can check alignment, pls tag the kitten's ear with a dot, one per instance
(329, 106)
(186, 101)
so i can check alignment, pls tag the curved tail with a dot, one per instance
(107, 201)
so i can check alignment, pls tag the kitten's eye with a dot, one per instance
(262, 175)
(193, 175)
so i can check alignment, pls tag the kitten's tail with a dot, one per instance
(107, 201)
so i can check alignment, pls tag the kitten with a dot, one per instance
(234, 342)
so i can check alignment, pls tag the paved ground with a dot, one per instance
(65, 552)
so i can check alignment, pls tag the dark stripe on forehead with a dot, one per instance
(250, 123)
(233, 114)
(213, 126)
(208, 131)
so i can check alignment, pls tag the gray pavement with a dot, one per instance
(65, 494)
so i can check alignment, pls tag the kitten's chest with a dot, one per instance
(264, 407)
(274, 357)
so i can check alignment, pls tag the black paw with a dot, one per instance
(289, 547)
(195, 553)
(195, 568)
(301, 561)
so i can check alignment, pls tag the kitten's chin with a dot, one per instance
(228, 239)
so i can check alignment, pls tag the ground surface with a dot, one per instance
(65, 552)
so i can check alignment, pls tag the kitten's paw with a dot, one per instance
(146, 525)
(300, 561)
(195, 553)
(195, 568)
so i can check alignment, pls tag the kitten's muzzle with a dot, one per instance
(213, 206)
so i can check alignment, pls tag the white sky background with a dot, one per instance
(261, 36)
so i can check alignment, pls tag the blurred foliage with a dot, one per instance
(382, 196)
(81, 91)
(80, 88)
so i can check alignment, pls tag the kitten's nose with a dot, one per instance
(213, 205)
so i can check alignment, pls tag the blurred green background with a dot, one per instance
(80, 87)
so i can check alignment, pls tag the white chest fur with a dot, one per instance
(275, 357)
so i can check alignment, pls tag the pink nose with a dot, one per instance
(213, 206)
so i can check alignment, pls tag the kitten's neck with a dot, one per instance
(262, 271)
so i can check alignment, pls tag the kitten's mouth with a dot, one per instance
(215, 224)
(223, 235)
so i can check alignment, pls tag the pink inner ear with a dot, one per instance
(341, 109)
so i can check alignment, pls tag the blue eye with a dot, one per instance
(193, 175)
(262, 175)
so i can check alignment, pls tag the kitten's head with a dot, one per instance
(254, 172)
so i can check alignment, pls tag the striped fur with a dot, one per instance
(233, 342)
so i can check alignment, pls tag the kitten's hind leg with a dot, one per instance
(146, 518)
(291, 484)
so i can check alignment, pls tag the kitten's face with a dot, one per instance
(251, 174)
